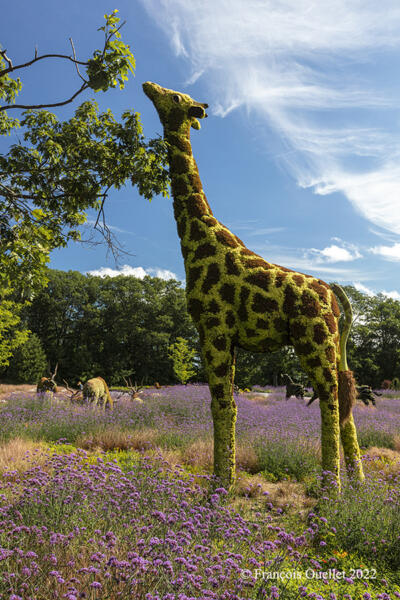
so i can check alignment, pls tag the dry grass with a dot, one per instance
(6, 389)
(19, 454)
(115, 439)
(246, 458)
(382, 460)
(287, 495)
(259, 399)
(200, 454)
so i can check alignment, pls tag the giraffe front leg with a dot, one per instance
(330, 436)
(220, 371)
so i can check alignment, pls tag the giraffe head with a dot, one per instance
(176, 110)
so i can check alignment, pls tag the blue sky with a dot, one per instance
(300, 155)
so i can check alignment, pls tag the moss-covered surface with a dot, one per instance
(96, 390)
(236, 298)
(46, 385)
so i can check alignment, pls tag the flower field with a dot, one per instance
(119, 505)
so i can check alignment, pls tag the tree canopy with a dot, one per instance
(114, 326)
(61, 169)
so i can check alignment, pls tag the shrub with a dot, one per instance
(395, 385)
(182, 358)
(386, 383)
(28, 363)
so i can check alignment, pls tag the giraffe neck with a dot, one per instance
(190, 202)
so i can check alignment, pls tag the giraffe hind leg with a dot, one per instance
(324, 379)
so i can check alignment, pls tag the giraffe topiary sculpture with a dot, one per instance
(236, 298)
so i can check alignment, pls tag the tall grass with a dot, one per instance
(285, 457)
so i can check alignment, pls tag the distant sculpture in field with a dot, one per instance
(76, 396)
(133, 390)
(292, 388)
(236, 298)
(95, 391)
(367, 394)
(47, 385)
(364, 393)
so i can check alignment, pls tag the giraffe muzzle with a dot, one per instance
(197, 111)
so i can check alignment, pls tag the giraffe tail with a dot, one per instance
(347, 391)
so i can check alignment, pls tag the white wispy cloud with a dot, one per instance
(388, 252)
(92, 223)
(394, 294)
(266, 230)
(320, 263)
(311, 70)
(365, 290)
(138, 272)
(332, 254)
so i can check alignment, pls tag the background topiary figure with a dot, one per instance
(95, 390)
(47, 385)
(236, 298)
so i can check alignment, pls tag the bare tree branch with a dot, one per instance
(8, 60)
(10, 106)
(35, 59)
(76, 62)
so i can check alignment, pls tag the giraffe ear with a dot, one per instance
(195, 124)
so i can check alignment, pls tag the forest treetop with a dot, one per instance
(123, 327)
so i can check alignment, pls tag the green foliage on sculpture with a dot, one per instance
(182, 360)
(95, 391)
(28, 363)
(236, 298)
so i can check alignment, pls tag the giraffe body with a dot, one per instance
(236, 298)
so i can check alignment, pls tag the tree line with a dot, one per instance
(124, 327)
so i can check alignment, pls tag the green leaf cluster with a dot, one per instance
(111, 66)
(11, 334)
(182, 357)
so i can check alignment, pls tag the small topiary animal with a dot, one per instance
(292, 388)
(96, 390)
(47, 385)
(366, 394)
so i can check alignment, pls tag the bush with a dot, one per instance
(29, 362)
(395, 385)
(365, 519)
